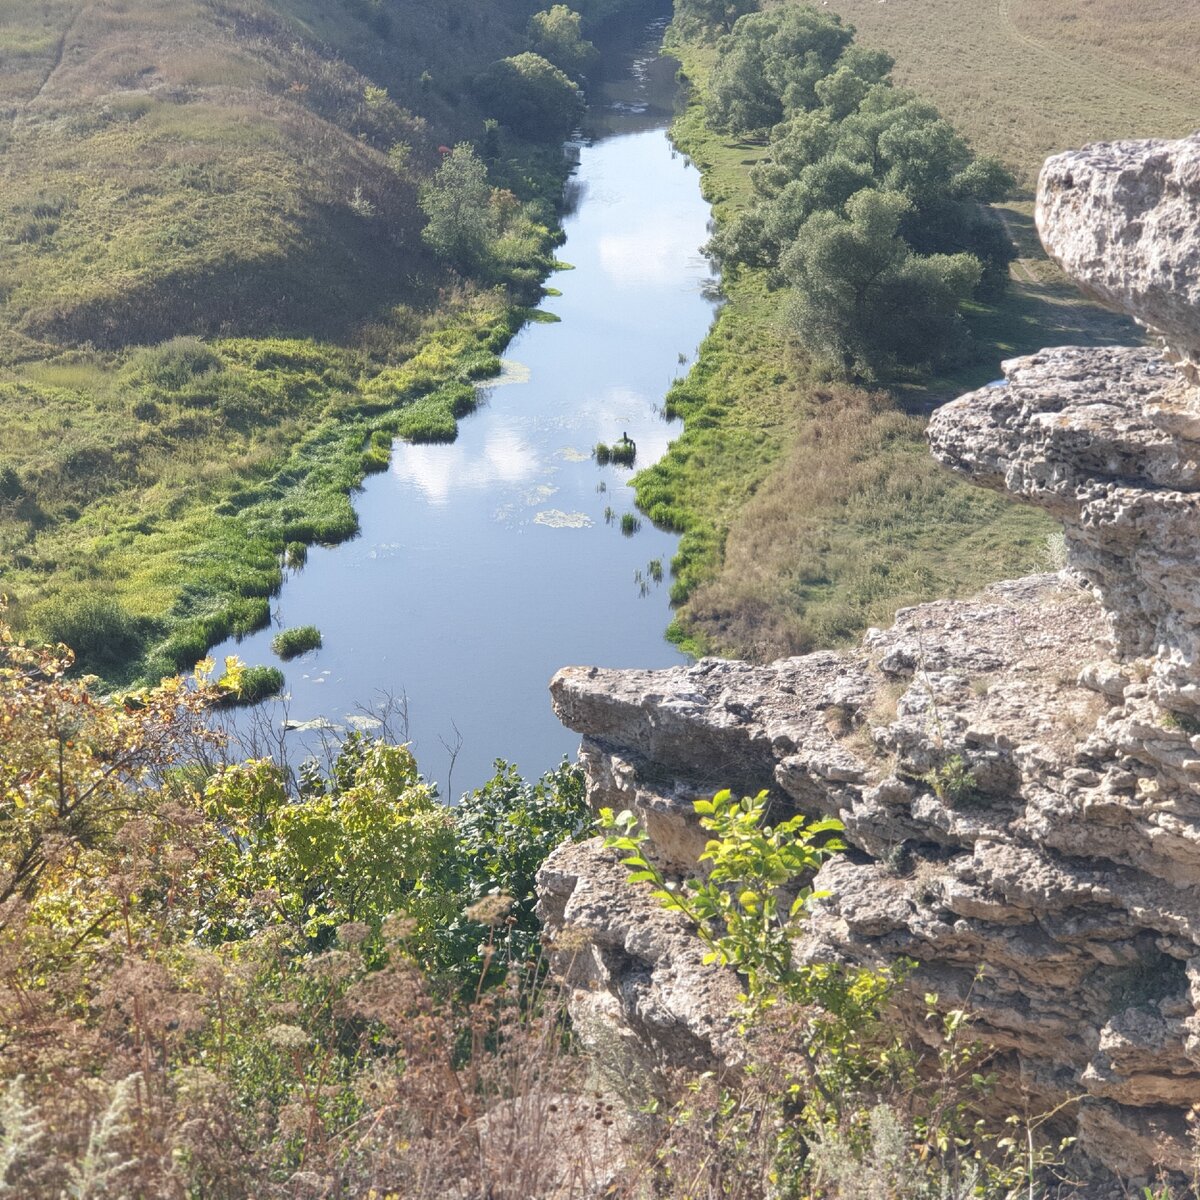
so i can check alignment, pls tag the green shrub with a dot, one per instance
(953, 781)
(629, 524)
(531, 96)
(295, 555)
(11, 487)
(623, 452)
(297, 640)
(174, 364)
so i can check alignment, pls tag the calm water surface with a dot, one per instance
(484, 566)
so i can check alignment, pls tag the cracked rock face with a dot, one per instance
(1108, 442)
(1120, 218)
(1019, 774)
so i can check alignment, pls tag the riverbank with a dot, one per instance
(216, 305)
(810, 509)
(481, 567)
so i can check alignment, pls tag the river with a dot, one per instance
(484, 565)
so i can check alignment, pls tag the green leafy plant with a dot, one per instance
(249, 685)
(740, 909)
(953, 781)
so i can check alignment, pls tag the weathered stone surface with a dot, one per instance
(1047, 896)
(1019, 774)
(1120, 218)
(641, 997)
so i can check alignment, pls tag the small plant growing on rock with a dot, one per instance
(737, 908)
(953, 782)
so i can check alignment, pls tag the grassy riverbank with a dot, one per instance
(216, 307)
(811, 509)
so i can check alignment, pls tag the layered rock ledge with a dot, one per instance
(1019, 774)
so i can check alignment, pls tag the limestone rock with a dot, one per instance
(1120, 218)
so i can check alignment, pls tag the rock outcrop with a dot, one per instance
(1019, 775)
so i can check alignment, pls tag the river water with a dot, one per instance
(484, 565)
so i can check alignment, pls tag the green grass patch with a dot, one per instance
(257, 683)
(291, 643)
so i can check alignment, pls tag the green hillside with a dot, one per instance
(246, 172)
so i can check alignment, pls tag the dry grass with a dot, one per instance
(856, 521)
(1026, 78)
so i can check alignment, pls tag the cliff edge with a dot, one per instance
(1019, 774)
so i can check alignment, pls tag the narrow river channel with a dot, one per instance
(485, 565)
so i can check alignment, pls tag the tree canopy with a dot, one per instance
(557, 35)
(862, 296)
(770, 64)
(840, 131)
(531, 96)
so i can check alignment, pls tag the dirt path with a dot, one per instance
(1064, 61)
(60, 50)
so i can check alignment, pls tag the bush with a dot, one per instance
(174, 364)
(557, 35)
(295, 641)
(531, 96)
(11, 487)
(103, 635)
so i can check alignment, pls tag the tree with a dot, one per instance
(863, 299)
(556, 34)
(462, 223)
(770, 64)
(711, 14)
(531, 96)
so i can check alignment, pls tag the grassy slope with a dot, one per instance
(216, 167)
(812, 510)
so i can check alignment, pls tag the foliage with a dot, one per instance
(770, 64)
(370, 840)
(869, 135)
(863, 299)
(953, 781)
(623, 452)
(556, 34)
(252, 684)
(288, 643)
(457, 202)
(206, 981)
(736, 907)
(104, 635)
(503, 833)
(531, 96)
(829, 1100)
(709, 16)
